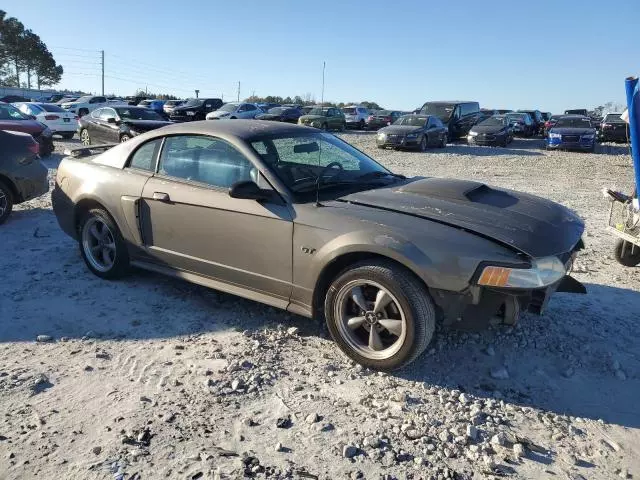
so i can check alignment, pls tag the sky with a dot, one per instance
(544, 54)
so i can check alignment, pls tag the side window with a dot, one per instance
(144, 157)
(245, 107)
(208, 104)
(100, 100)
(96, 113)
(106, 113)
(204, 159)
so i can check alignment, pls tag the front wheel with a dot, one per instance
(626, 253)
(423, 144)
(6, 202)
(379, 314)
(124, 138)
(85, 138)
(101, 245)
(361, 125)
(443, 141)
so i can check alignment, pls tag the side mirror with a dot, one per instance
(111, 120)
(250, 191)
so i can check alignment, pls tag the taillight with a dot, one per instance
(51, 117)
(34, 148)
(370, 118)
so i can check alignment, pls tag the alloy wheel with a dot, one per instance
(124, 138)
(370, 319)
(3, 202)
(85, 139)
(98, 243)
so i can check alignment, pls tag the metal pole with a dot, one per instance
(324, 64)
(633, 106)
(238, 91)
(102, 52)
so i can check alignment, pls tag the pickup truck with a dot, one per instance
(84, 105)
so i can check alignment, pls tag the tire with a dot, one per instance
(408, 299)
(325, 127)
(423, 144)
(343, 127)
(232, 118)
(124, 138)
(85, 138)
(68, 135)
(623, 253)
(443, 141)
(361, 125)
(113, 243)
(6, 202)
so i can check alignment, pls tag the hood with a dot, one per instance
(531, 225)
(146, 125)
(31, 127)
(572, 130)
(487, 128)
(400, 129)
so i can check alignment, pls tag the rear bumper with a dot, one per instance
(64, 210)
(32, 181)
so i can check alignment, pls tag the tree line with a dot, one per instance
(24, 57)
(308, 100)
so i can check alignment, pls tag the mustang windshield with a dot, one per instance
(573, 123)
(300, 160)
(137, 114)
(412, 121)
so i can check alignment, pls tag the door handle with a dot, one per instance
(161, 196)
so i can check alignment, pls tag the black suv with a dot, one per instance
(457, 116)
(195, 109)
(538, 120)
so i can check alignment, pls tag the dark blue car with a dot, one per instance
(572, 132)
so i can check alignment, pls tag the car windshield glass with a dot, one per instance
(299, 160)
(229, 107)
(9, 112)
(516, 118)
(318, 111)
(194, 102)
(383, 113)
(278, 110)
(411, 120)
(573, 123)
(137, 114)
(349, 111)
(145, 103)
(441, 110)
(47, 107)
(84, 99)
(492, 122)
(613, 118)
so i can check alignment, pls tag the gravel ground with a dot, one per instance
(151, 377)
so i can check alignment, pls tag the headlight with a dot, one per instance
(382, 136)
(543, 272)
(554, 135)
(473, 134)
(412, 135)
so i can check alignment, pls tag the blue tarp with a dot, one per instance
(633, 106)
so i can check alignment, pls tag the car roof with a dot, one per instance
(575, 116)
(452, 101)
(244, 129)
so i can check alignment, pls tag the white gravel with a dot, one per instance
(152, 377)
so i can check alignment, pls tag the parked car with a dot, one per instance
(281, 114)
(382, 118)
(153, 104)
(235, 110)
(414, 132)
(546, 116)
(265, 107)
(457, 116)
(613, 129)
(493, 131)
(14, 98)
(538, 121)
(521, 123)
(325, 118)
(66, 99)
(170, 105)
(22, 175)
(502, 111)
(572, 132)
(355, 116)
(550, 123)
(84, 105)
(577, 111)
(12, 119)
(59, 121)
(380, 262)
(306, 109)
(195, 109)
(486, 113)
(118, 124)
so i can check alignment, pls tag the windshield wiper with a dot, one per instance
(380, 174)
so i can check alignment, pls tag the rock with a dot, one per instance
(499, 439)
(419, 461)
(292, 331)
(490, 350)
(249, 422)
(568, 373)
(499, 373)
(284, 422)
(518, 450)
(144, 436)
(96, 450)
(103, 355)
(620, 375)
(312, 418)
(169, 417)
(349, 451)
(464, 399)
(44, 338)
(472, 432)
(279, 447)
(371, 442)
(445, 436)
(145, 399)
(413, 433)
(236, 385)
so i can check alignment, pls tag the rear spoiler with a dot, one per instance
(87, 151)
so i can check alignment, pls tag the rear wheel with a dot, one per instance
(626, 253)
(379, 314)
(101, 245)
(6, 202)
(325, 126)
(443, 141)
(85, 138)
(124, 138)
(423, 144)
(361, 125)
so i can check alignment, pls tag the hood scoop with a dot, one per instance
(460, 191)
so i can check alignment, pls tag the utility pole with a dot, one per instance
(324, 64)
(238, 91)
(222, 97)
(197, 93)
(102, 52)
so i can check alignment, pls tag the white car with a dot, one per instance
(233, 110)
(85, 105)
(355, 116)
(59, 121)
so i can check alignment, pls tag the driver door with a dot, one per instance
(190, 223)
